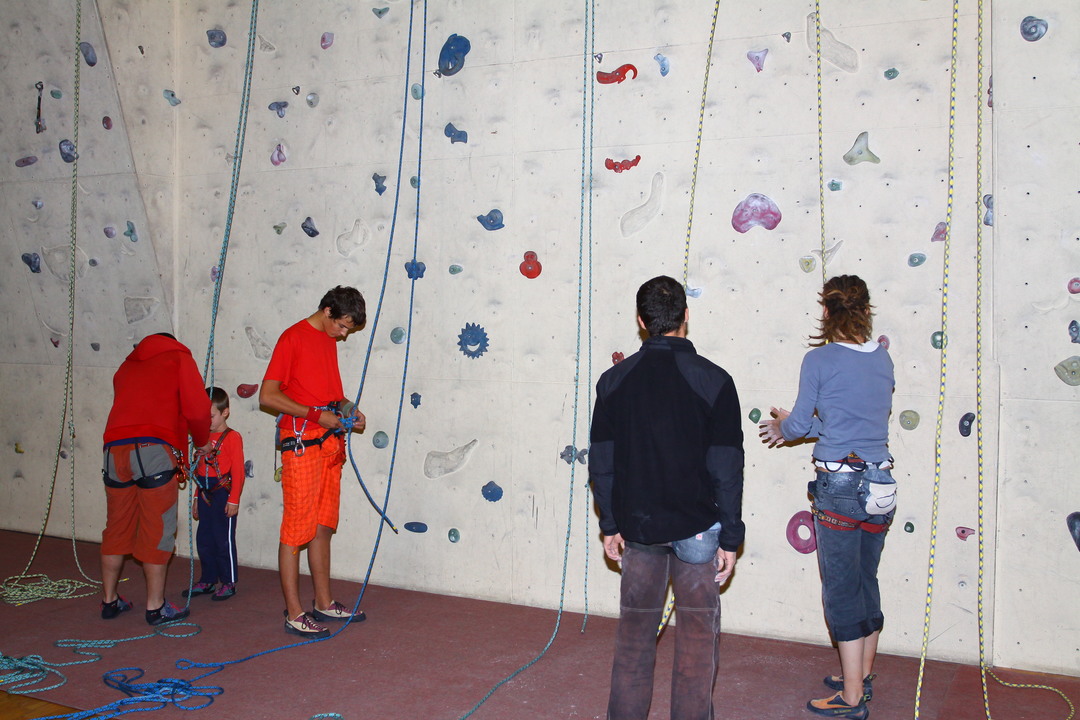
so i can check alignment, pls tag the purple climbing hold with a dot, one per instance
(110, 231)
(216, 38)
(883, 341)
(278, 156)
(964, 532)
(1074, 286)
(940, 233)
(756, 210)
(26, 161)
(67, 151)
(33, 261)
(215, 273)
(326, 40)
(1073, 521)
(757, 58)
(308, 227)
(279, 106)
(106, 122)
(88, 53)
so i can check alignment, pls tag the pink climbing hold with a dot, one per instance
(246, 390)
(802, 519)
(617, 357)
(278, 156)
(757, 58)
(326, 40)
(621, 165)
(756, 210)
(530, 267)
(883, 341)
(26, 161)
(964, 532)
(940, 232)
(1074, 285)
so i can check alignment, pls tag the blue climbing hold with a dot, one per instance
(171, 97)
(455, 135)
(67, 151)
(415, 269)
(988, 217)
(916, 259)
(308, 227)
(249, 469)
(966, 422)
(665, 64)
(278, 106)
(380, 440)
(216, 38)
(33, 261)
(492, 492)
(568, 454)
(397, 335)
(473, 341)
(417, 91)
(1073, 521)
(492, 221)
(416, 527)
(380, 182)
(1074, 331)
(452, 55)
(95, 346)
(130, 233)
(380, 12)
(414, 181)
(414, 399)
(88, 53)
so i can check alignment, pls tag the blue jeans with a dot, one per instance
(848, 558)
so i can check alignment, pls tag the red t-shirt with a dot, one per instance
(305, 362)
(230, 461)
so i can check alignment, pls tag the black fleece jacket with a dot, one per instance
(666, 455)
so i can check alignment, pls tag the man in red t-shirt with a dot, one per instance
(302, 382)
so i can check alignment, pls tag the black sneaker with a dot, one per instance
(165, 614)
(117, 606)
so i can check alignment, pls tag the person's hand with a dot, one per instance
(204, 450)
(614, 546)
(231, 509)
(725, 565)
(770, 429)
(195, 509)
(330, 420)
(359, 420)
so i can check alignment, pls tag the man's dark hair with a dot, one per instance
(165, 334)
(661, 304)
(345, 302)
(218, 398)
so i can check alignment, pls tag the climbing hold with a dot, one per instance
(617, 357)
(637, 218)
(278, 156)
(249, 469)
(414, 181)
(452, 55)
(754, 415)
(171, 97)
(916, 259)
(892, 74)
(26, 161)
(492, 221)
(988, 202)
(455, 135)
(417, 91)
(308, 226)
(380, 183)
(312, 99)
(964, 532)
(67, 151)
(19, 449)
(621, 165)
(139, 308)
(830, 252)
(941, 231)
(1069, 370)
(110, 231)
(397, 335)
(937, 340)
(1032, 28)
(966, 422)
(416, 527)
(453, 535)
(277, 474)
(807, 263)
(665, 64)
(95, 346)
(1073, 522)
(568, 454)
(842, 56)
(617, 75)
(278, 106)
(1074, 331)
(757, 58)
(786, 36)
(437, 463)
(530, 267)
(33, 261)
(492, 492)
(130, 233)
(909, 419)
(38, 204)
(56, 343)
(92, 262)
(259, 348)
(380, 440)
(756, 210)
(472, 340)
(88, 53)
(414, 400)
(326, 40)
(415, 269)
(909, 527)
(280, 228)
(798, 522)
(1074, 286)
(265, 45)
(883, 341)
(246, 390)
(216, 38)
(295, 89)
(106, 122)
(455, 269)
(215, 273)
(835, 185)
(860, 151)
(56, 94)
(380, 12)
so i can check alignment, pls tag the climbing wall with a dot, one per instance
(432, 157)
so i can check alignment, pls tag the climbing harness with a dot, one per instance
(205, 483)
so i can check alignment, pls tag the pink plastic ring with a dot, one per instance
(803, 518)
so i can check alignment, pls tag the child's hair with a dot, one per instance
(847, 318)
(218, 398)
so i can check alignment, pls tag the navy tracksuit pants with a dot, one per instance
(215, 538)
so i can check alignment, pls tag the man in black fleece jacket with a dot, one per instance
(666, 466)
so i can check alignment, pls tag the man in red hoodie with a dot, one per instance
(158, 401)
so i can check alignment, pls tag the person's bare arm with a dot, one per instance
(273, 398)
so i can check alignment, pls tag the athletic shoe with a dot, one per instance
(836, 682)
(226, 591)
(336, 611)
(117, 606)
(836, 707)
(200, 588)
(305, 626)
(165, 614)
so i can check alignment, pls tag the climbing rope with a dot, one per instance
(820, 138)
(23, 588)
(697, 145)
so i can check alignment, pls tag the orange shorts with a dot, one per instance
(139, 521)
(311, 488)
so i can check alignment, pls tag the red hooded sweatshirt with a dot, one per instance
(158, 392)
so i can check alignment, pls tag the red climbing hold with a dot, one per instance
(615, 76)
(246, 391)
(617, 357)
(621, 165)
(530, 267)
